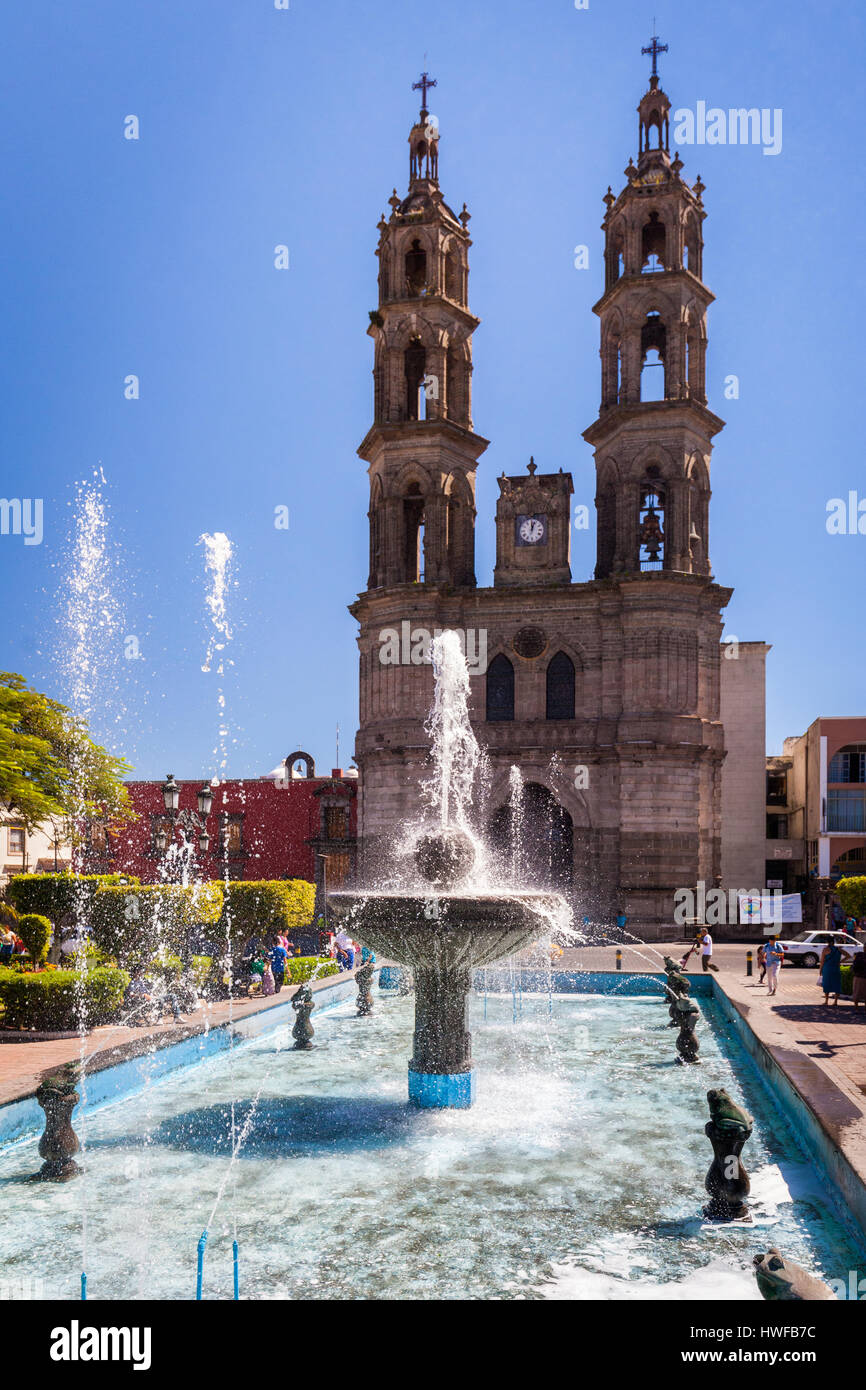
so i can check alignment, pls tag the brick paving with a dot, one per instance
(23, 1064)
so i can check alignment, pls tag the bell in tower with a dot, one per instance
(653, 436)
(422, 450)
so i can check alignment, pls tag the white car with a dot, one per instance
(806, 947)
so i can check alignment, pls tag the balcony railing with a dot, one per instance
(846, 811)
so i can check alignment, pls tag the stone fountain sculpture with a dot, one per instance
(782, 1281)
(686, 1016)
(58, 1097)
(303, 1005)
(438, 925)
(727, 1182)
(364, 981)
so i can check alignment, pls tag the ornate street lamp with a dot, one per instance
(171, 794)
(188, 820)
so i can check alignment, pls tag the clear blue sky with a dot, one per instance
(261, 127)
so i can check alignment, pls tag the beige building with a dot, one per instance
(743, 683)
(605, 694)
(816, 804)
(36, 851)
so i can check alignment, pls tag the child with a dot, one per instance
(268, 986)
(762, 962)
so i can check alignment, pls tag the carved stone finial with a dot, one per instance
(608, 199)
(465, 216)
(531, 466)
(698, 188)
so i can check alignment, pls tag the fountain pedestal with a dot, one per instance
(440, 1070)
(443, 936)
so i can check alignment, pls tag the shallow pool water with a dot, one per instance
(578, 1173)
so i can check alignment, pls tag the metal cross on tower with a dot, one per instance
(422, 86)
(655, 48)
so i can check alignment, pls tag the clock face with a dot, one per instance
(531, 530)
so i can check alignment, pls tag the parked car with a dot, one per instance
(806, 947)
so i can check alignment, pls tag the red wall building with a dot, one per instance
(290, 824)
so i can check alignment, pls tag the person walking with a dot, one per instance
(858, 979)
(774, 954)
(762, 962)
(345, 949)
(830, 979)
(707, 951)
(278, 957)
(268, 982)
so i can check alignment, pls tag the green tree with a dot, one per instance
(852, 895)
(50, 767)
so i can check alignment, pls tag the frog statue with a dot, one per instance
(727, 1182)
(781, 1281)
(364, 981)
(686, 1016)
(58, 1098)
(677, 987)
(303, 1005)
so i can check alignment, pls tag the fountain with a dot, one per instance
(448, 922)
(727, 1182)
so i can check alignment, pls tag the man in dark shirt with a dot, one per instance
(279, 956)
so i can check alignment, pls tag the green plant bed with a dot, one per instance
(301, 968)
(50, 1001)
(847, 986)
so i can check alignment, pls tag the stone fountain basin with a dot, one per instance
(450, 931)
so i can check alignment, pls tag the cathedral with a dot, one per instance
(604, 694)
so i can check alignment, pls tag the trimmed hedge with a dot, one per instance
(301, 968)
(135, 923)
(852, 895)
(263, 907)
(50, 1000)
(56, 895)
(35, 932)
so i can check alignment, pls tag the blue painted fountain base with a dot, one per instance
(442, 1090)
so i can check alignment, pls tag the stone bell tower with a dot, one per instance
(421, 448)
(653, 436)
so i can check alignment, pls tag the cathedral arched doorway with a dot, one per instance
(537, 837)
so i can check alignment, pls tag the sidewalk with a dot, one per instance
(23, 1064)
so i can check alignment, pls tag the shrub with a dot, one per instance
(133, 923)
(301, 968)
(51, 1000)
(56, 896)
(847, 986)
(35, 932)
(266, 906)
(852, 895)
(8, 916)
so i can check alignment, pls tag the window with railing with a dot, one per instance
(846, 810)
(777, 788)
(848, 765)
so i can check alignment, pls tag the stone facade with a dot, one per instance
(605, 694)
(743, 775)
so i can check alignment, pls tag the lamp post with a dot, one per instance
(194, 821)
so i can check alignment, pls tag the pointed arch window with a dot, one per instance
(653, 341)
(560, 687)
(416, 359)
(500, 690)
(416, 269)
(413, 522)
(651, 523)
(453, 277)
(653, 239)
